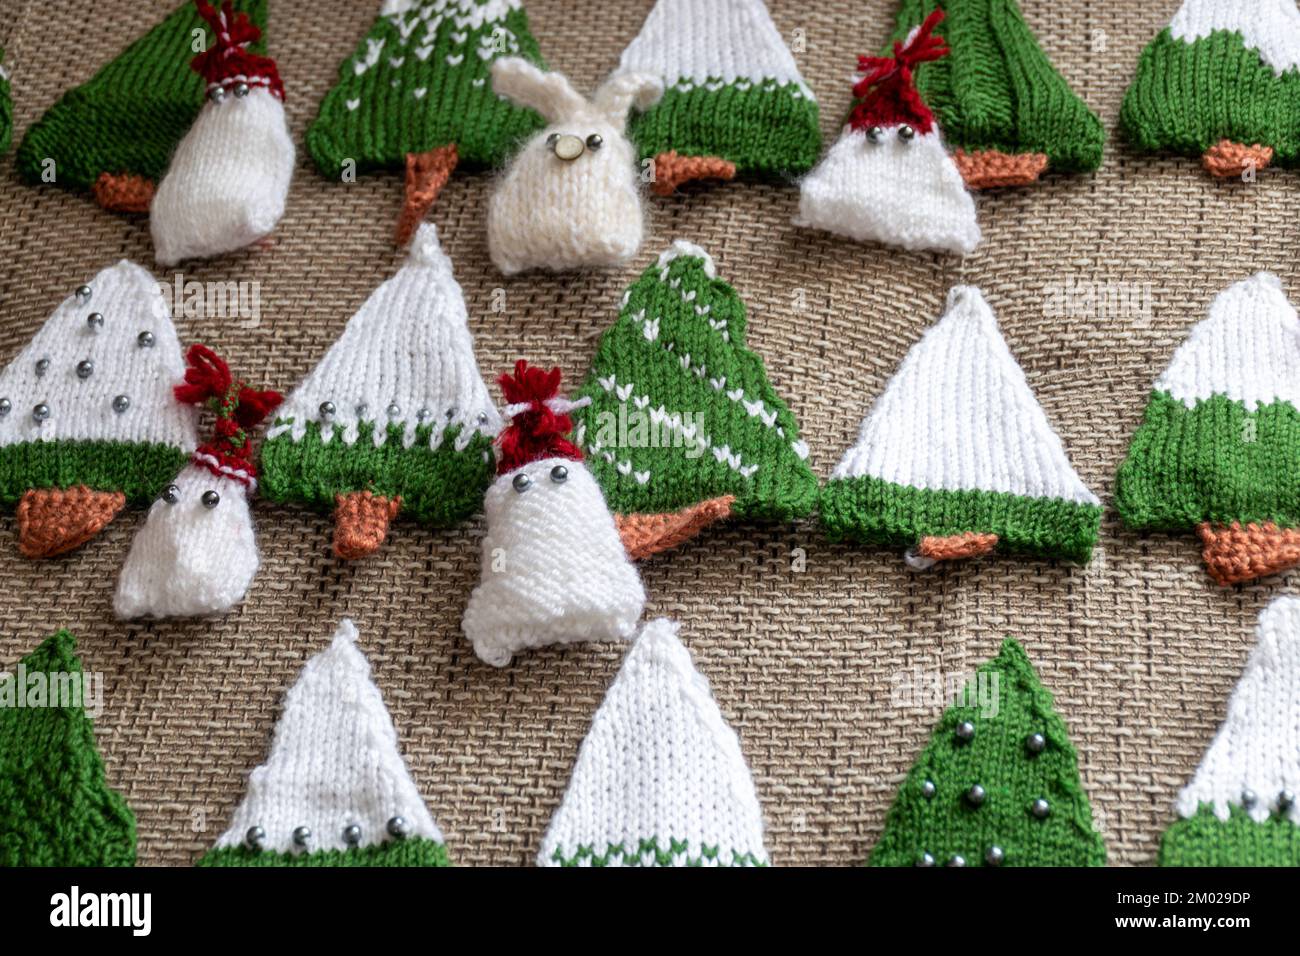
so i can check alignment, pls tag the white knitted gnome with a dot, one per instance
(660, 779)
(889, 177)
(196, 553)
(228, 179)
(554, 567)
(570, 199)
(334, 790)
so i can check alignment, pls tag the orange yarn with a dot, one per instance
(644, 535)
(989, 169)
(1236, 552)
(53, 521)
(673, 170)
(123, 192)
(361, 523)
(1228, 160)
(970, 544)
(426, 174)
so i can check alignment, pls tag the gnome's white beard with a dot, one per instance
(188, 559)
(554, 568)
(227, 182)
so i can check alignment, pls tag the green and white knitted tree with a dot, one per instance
(417, 91)
(1217, 447)
(6, 106)
(997, 785)
(684, 428)
(114, 134)
(1000, 102)
(56, 809)
(1222, 82)
(734, 101)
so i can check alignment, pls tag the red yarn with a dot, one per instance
(239, 409)
(537, 432)
(228, 60)
(888, 95)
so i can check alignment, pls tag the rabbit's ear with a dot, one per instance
(622, 91)
(548, 93)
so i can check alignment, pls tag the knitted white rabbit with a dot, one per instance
(570, 199)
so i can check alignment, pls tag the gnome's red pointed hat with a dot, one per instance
(229, 62)
(539, 419)
(239, 409)
(887, 94)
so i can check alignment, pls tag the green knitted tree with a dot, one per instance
(114, 134)
(6, 106)
(997, 785)
(684, 428)
(55, 807)
(418, 91)
(1000, 102)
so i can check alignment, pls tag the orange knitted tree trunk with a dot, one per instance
(644, 535)
(123, 192)
(361, 522)
(1235, 553)
(1229, 160)
(426, 174)
(673, 170)
(53, 521)
(990, 169)
(971, 544)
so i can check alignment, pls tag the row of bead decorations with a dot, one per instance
(1285, 800)
(328, 410)
(256, 836)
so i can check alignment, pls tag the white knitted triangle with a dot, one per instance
(1257, 748)
(659, 763)
(959, 415)
(1271, 27)
(334, 762)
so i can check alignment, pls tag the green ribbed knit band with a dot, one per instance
(1188, 96)
(656, 852)
(881, 513)
(55, 807)
(6, 107)
(439, 487)
(140, 471)
(997, 90)
(368, 121)
(411, 852)
(130, 115)
(944, 822)
(1205, 840)
(1216, 462)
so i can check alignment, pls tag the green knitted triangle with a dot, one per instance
(6, 106)
(55, 807)
(415, 851)
(941, 822)
(1205, 840)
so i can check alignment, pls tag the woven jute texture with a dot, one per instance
(804, 642)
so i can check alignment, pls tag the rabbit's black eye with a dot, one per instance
(594, 141)
(550, 141)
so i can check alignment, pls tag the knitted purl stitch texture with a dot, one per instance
(998, 784)
(660, 779)
(56, 808)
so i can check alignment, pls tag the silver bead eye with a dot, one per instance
(6, 407)
(42, 366)
(394, 410)
(522, 482)
(121, 403)
(83, 294)
(352, 834)
(595, 141)
(210, 499)
(254, 837)
(327, 410)
(422, 415)
(482, 419)
(217, 94)
(994, 856)
(95, 321)
(925, 860)
(976, 795)
(559, 474)
(956, 860)
(171, 494)
(362, 409)
(241, 90)
(1248, 798)
(1285, 801)
(301, 835)
(906, 133)
(1035, 743)
(451, 412)
(928, 789)
(1041, 809)
(40, 413)
(965, 731)
(876, 134)
(85, 369)
(397, 828)
(144, 340)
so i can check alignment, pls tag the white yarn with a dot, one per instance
(554, 568)
(959, 415)
(1247, 349)
(1271, 27)
(898, 192)
(550, 213)
(131, 302)
(1257, 747)
(227, 182)
(334, 762)
(659, 763)
(409, 347)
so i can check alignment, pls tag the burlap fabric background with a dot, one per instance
(1140, 647)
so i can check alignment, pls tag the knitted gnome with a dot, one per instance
(396, 417)
(998, 784)
(554, 569)
(684, 428)
(196, 553)
(957, 458)
(6, 106)
(88, 421)
(334, 790)
(1218, 83)
(889, 177)
(734, 99)
(227, 182)
(1240, 808)
(56, 809)
(660, 779)
(1217, 447)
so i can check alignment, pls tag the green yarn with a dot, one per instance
(55, 807)
(130, 115)
(6, 106)
(685, 362)
(1216, 462)
(1205, 840)
(649, 852)
(458, 106)
(137, 469)
(878, 512)
(439, 487)
(997, 90)
(997, 758)
(411, 852)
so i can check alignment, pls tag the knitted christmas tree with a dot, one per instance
(115, 133)
(660, 779)
(957, 457)
(56, 809)
(417, 92)
(6, 106)
(997, 785)
(734, 100)
(88, 421)
(999, 100)
(1222, 82)
(334, 790)
(1217, 446)
(396, 415)
(684, 428)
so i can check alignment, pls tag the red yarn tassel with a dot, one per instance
(537, 432)
(208, 376)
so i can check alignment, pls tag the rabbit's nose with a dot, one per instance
(566, 146)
